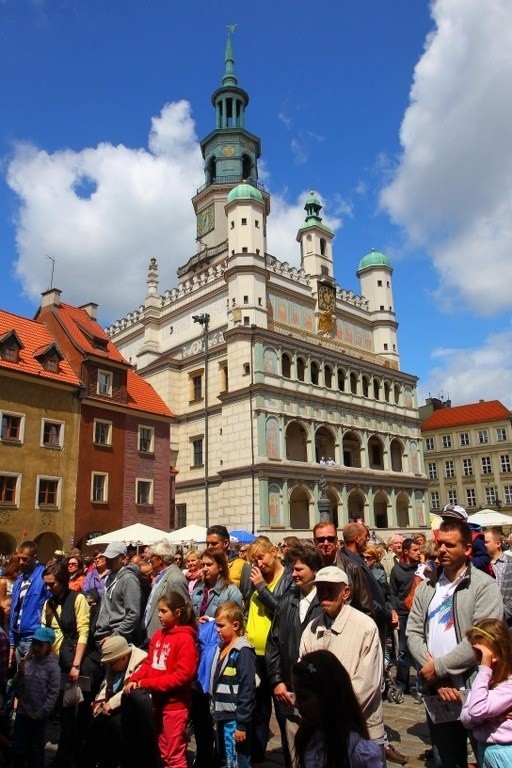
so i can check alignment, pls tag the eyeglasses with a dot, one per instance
(368, 557)
(322, 539)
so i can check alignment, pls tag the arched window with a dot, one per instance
(299, 509)
(296, 442)
(301, 369)
(314, 372)
(387, 391)
(351, 449)
(324, 444)
(356, 507)
(365, 384)
(286, 365)
(396, 390)
(402, 510)
(328, 376)
(376, 389)
(396, 456)
(380, 510)
(323, 244)
(375, 453)
(353, 383)
(246, 167)
(341, 379)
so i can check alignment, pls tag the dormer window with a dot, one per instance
(104, 383)
(49, 357)
(10, 346)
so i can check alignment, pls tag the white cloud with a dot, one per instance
(453, 184)
(102, 244)
(467, 375)
(103, 212)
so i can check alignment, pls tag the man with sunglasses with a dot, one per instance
(29, 593)
(326, 541)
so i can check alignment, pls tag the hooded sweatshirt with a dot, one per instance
(170, 667)
(233, 684)
(120, 607)
(400, 583)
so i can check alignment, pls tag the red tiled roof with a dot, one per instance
(34, 338)
(81, 328)
(460, 415)
(143, 397)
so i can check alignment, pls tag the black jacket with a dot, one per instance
(283, 642)
(268, 599)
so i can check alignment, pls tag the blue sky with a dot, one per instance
(397, 112)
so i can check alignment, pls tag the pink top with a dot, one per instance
(485, 710)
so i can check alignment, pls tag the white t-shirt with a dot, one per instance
(442, 637)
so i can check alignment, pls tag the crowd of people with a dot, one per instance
(132, 650)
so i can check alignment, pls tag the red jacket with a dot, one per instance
(170, 667)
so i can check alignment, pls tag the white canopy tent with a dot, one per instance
(136, 535)
(191, 532)
(487, 517)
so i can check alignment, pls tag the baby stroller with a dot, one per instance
(391, 691)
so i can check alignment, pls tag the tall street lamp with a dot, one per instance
(204, 321)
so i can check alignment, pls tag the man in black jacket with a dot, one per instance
(293, 613)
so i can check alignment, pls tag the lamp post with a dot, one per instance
(324, 505)
(204, 322)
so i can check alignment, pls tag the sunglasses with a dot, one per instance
(322, 539)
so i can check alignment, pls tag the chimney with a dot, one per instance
(91, 309)
(51, 298)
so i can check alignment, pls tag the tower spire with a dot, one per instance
(229, 60)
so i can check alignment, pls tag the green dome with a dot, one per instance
(374, 259)
(245, 191)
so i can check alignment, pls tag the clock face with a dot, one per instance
(327, 297)
(205, 220)
(228, 151)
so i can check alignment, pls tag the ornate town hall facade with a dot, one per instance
(276, 375)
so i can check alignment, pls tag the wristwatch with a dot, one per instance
(75, 666)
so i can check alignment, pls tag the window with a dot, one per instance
(434, 499)
(104, 383)
(144, 490)
(449, 469)
(467, 467)
(470, 497)
(52, 434)
(429, 443)
(197, 452)
(483, 436)
(432, 470)
(464, 438)
(490, 495)
(12, 427)
(486, 465)
(196, 387)
(102, 432)
(505, 462)
(10, 354)
(452, 497)
(99, 487)
(501, 434)
(447, 441)
(224, 377)
(508, 494)
(9, 490)
(48, 492)
(51, 364)
(181, 515)
(146, 440)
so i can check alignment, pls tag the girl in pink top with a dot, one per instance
(490, 698)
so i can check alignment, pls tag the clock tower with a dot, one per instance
(230, 155)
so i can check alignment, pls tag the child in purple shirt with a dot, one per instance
(490, 699)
